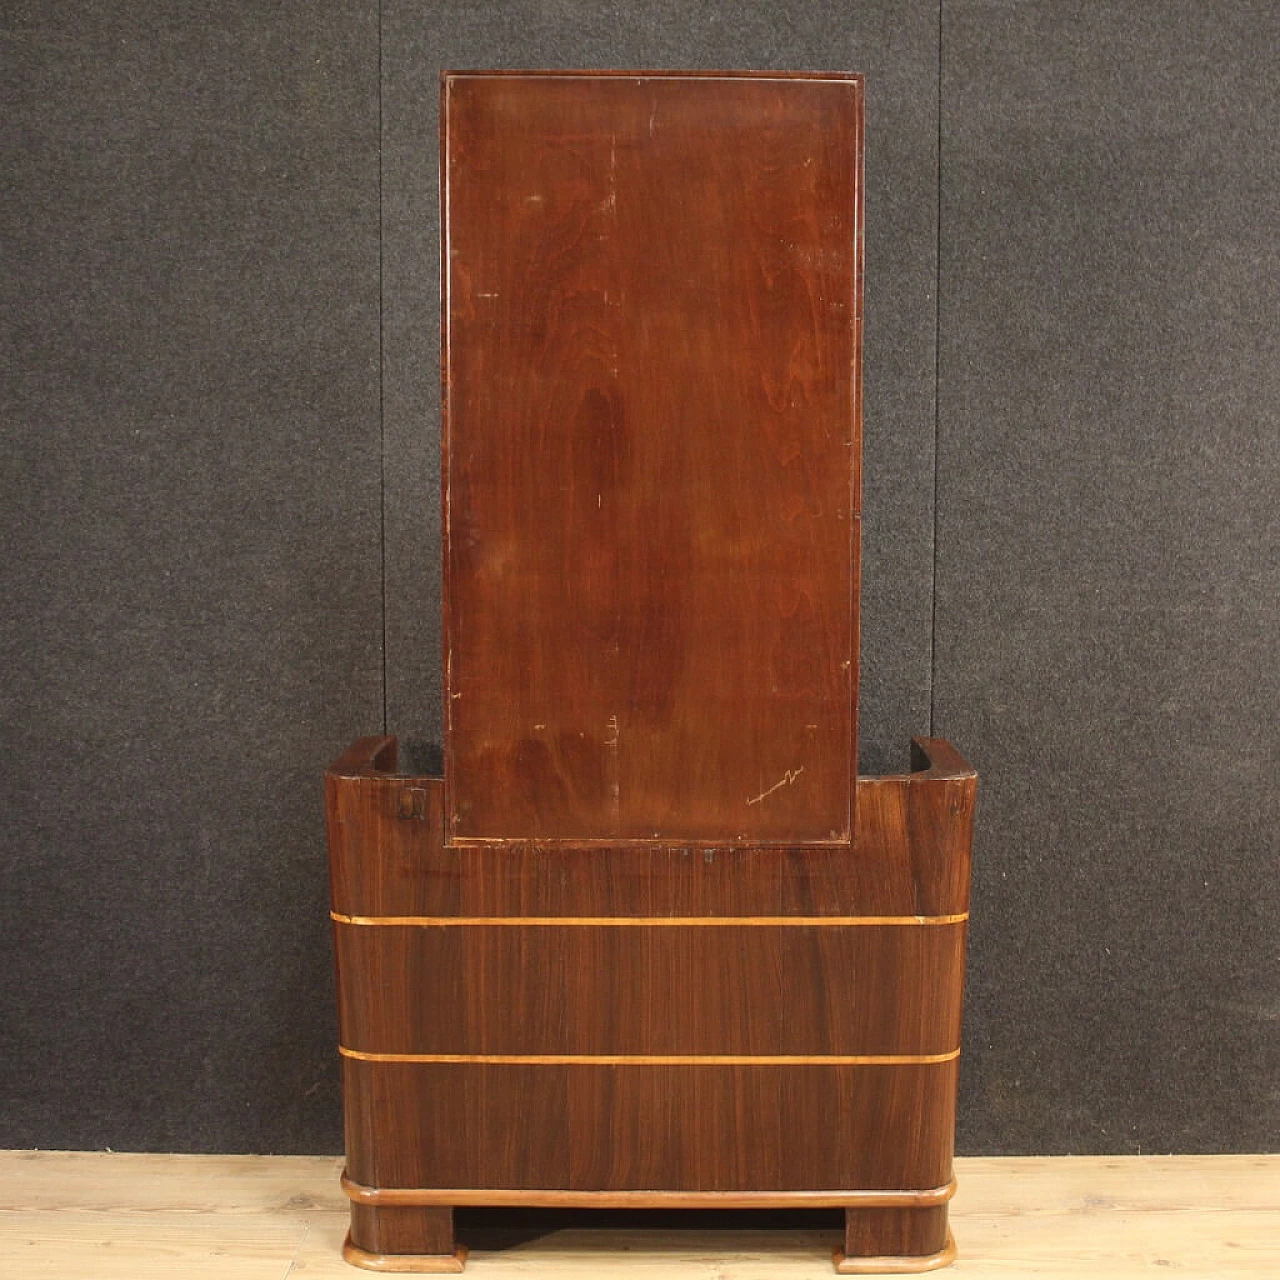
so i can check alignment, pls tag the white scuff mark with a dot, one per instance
(486, 295)
(611, 203)
(785, 781)
(612, 734)
(653, 119)
(539, 726)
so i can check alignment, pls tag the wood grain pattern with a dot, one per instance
(681, 1128)
(402, 1228)
(910, 856)
(507, 1093)
(899, 1264)
(931, 1197)
(652, 411)
(405, 1263)
(880, 990)
(883, 1232)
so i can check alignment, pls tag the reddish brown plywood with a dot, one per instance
(652, 433)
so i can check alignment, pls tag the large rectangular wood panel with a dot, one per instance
(652, 311)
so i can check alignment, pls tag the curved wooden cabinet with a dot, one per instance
(650, 942)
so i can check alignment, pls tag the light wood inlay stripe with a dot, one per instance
(807, 922)
(655, 1199)
(662, 1060)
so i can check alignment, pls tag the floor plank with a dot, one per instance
(74, 1245)
(99, 1216)
(129, 1183)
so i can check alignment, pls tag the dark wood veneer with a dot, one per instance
(688, 989)
(585, 1127)
(913, 833)
(651, 441)
(651, 984)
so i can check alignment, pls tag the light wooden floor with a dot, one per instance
(137, 1217)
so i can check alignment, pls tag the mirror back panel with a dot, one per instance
(652, 331)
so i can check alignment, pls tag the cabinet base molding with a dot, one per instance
(551, 1198)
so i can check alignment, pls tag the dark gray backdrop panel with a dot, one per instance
(190, 552)
(1109, 567)
(895, 44)
(191, 531)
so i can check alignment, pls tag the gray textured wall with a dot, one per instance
(220, 544)
(1108, 567)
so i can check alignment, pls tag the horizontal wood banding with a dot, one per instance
(651, 1199)
(681, 1128)
(811, 922)
(663, 1060)
(729, 992)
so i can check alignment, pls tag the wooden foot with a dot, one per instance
(898, 1264)
(895, 1241)
(419, 1263)
(403, 1238)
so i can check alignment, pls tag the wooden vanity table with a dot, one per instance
(650, 941)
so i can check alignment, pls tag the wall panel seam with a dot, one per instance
(937, 393)
(382, 373)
